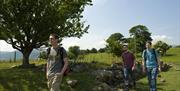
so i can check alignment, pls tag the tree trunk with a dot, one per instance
(26, 53)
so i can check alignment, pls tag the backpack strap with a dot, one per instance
(154, 52)
(145, 57)
(60, 51)
(48, 51)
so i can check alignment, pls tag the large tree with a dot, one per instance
(139, 35)
(26, 24)
(115, 43)
(162, 47)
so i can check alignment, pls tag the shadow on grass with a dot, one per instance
(16, 79)
(33, 79)
(142, 86)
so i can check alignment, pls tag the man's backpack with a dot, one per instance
(145, 55)
(60, 51)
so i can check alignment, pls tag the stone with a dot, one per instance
(72, 83)
(102, 87)
(162, 80)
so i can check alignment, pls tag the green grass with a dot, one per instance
(5, 65)
(101, 58)
(22, 80)
(85, 82)
(172, 56)
(172, 82)
(18, 79)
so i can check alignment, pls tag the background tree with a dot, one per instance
(131, 44)
(83, 52)
(93, 50)
(101, 50)
(26, 24)
(88, 51)
(139, 35)
(73, 52)
(115, 43)
(177, 46)
(162, 47)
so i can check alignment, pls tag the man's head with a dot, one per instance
(125, 47)
(53, 39)
(148, 44)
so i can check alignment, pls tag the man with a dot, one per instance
(55, 66)
(128, 65)
(151, 63)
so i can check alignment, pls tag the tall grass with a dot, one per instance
(101, 58)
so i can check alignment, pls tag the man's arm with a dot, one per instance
(159, 63)
(134, 62)
(122, 56)
(158, 60)
(47, 70)
(143, 62)
(65, 65)
(143, 66)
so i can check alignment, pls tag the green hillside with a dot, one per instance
(33, 79)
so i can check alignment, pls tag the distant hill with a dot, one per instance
(10, 55)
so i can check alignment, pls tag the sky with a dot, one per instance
(105, 17)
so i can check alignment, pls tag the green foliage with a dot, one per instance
(115, 43)
(162, 47)
(43, 55)
(93, 50)
(88, 51)
(139, 35)
(73, 52)
(101, 50)
(83, 52)
(104, 58)
(26, 24)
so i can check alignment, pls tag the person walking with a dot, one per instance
(151, 65)
(57, 63)
(128, 66)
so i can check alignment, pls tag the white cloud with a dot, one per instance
(5, 47)
(88, 41)
(99, 44)
(70, 42)
(163, 38)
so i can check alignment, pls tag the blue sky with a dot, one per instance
(105, 17)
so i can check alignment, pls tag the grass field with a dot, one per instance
(16, 79)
